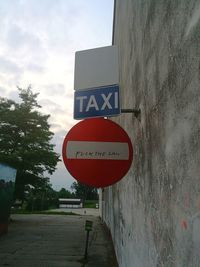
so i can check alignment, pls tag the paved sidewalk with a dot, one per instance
(55, 241)
(82, 211)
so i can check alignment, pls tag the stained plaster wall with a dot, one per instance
(154, 212)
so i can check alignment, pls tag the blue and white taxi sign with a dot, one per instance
(98, 102)
(96, 83)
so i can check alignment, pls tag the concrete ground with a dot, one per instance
(55, 240)
(82, 211)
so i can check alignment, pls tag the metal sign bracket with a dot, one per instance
(136, 112)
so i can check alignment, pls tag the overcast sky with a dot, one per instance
(38, 41)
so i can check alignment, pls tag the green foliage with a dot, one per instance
(25, 140)
(63, 193)
(41, 197)
(91, 204)
(84, 192)
(46, 212)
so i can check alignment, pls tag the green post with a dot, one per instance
(88, 228)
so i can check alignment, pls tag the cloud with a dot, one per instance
(38, 39)
(56, 128)
(2, 91)
(24, 47)
(47, 21)
(14, 95)
(61, 116)
(62, 133)
(10, 73)
(21, 39)
(8, 66)
(35, 67)
(58, 139)
(65, 122)
(51, 106)
(61, 177)
(54, 89)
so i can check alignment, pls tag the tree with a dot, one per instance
(25, 140)
(84, 192)
(63, 193)
(41, 197)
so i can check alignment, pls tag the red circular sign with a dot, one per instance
(97, 152)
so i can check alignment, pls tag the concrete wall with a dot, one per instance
(154, 212)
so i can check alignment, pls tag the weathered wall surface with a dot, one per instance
(154, 212)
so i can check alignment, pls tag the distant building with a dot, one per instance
(70, 203)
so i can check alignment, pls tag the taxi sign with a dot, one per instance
(98, 102)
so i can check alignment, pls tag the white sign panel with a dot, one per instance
(97, 150)
(96, 68)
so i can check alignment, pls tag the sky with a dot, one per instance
(38, 41)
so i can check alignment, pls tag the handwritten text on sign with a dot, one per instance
(97, 150)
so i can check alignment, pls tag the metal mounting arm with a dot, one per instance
(136, 112)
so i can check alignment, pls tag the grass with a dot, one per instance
(45, 212)
(90, 204)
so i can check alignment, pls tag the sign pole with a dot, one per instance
(86, 245)
(88, 228)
